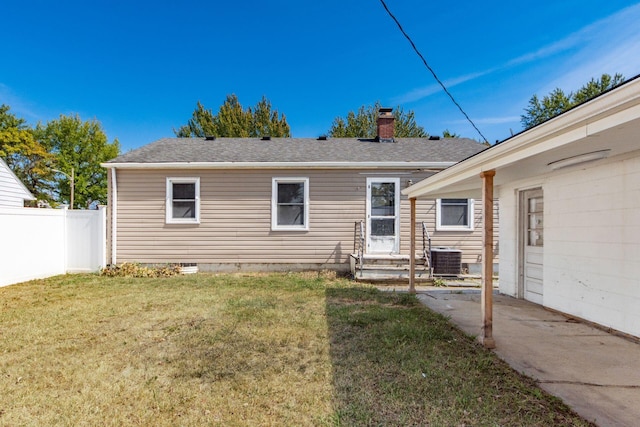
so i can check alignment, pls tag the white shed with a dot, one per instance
(569, 200)
(13, 193)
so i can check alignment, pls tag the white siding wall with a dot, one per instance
(592, 247)
(592, 242)
(12, 192)
(38, 243)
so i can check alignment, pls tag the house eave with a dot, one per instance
(281, 165)
(27, 195)
(592, 126)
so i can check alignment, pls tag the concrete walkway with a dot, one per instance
(594, 372)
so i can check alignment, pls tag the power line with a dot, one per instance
(431, 70)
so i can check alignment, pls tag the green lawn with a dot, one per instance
(236, 350)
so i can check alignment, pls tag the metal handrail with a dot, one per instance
(426, 248)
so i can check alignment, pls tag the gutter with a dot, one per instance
(279, 165)
(114, 216)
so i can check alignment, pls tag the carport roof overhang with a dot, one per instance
(609, 122)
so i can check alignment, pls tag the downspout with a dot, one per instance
(114, 216)
(412, 248)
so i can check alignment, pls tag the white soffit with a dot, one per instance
(594, 123)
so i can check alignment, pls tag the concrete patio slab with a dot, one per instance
(594, 372)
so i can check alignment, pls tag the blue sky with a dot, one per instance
(139, 67)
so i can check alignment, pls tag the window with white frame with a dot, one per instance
(183, 200)
(290, 204)
(454, 214)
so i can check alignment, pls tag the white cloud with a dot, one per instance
(488, 120)
(610, 45)
(497, 120)
(423, 92)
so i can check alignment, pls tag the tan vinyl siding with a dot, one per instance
(235, 219)
(470, 242)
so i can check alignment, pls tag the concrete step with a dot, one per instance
(381, 276)
(382, 273)
(387, 259)
(386, 268)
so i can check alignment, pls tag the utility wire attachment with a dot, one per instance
(424, 61)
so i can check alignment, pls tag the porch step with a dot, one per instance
(388, 259)
(387, 268)
(377, 275)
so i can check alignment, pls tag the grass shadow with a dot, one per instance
(395, 362)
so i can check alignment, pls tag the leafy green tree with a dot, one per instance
(448, 134)
(79, 147)
(233, 120)
(363, 124)
(558, 101)
(26, 157)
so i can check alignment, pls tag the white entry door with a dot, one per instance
(532, 205)
(383, 215)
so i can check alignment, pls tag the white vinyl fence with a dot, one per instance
(38, 243)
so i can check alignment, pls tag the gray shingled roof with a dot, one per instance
(301, 150)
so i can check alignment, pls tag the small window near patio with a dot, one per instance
(454, 215)
(183, 200)
(290, 204)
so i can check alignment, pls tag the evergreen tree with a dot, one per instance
(233, 120)
(558, 101)
(363, 124)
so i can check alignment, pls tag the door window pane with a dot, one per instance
(383, 227)
(535, 221)
(535, 238)
(383, 199)
(536, 204)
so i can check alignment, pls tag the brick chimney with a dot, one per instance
(385, 125)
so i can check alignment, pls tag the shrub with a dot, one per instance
(131, 269)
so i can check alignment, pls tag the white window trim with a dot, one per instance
(169, 202)
(274, 204)
(470, 215)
